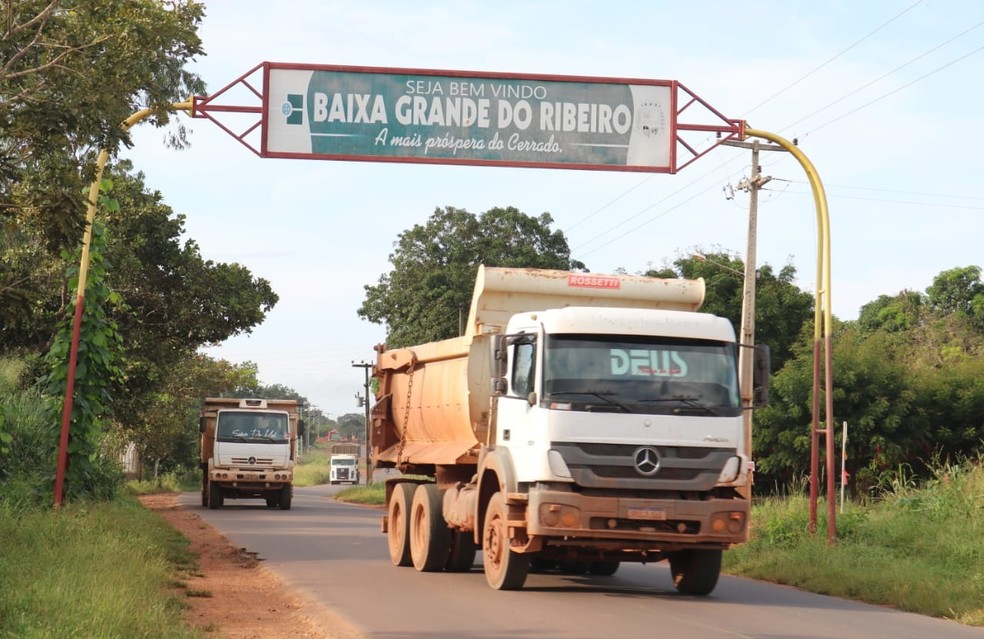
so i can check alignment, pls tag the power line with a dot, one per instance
(893, 92)
(640, 212)
(650, 220)
(882, 77)
(616, 199)
(776, 95)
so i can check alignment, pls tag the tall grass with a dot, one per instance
(919, 549)
(90, 570)
(27, 467)
(312, 468)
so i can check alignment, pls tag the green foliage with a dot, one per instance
(73, 72)
(88, 474)
(892, 314)
(959, 291)
(313, 470)
(374, 494)
(919, 548)
(91, 570)
(426, 295)
(176, 303)
(178, 481)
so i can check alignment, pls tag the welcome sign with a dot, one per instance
(448, 117)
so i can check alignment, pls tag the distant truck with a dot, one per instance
(582, 421)
(248, 450)
(344, 463)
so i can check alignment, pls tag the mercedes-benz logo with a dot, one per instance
(252, 461)
(646, 461)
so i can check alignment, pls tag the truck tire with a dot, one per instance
(695, 572)
(462, 555)
(214, 496)
(286, 494)
(430, 537)
(273, 502)
(504, 569)
(398, 528)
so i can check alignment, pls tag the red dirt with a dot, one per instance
(231, 595)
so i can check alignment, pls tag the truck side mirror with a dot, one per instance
(761, 376)
(499, 355)
(201, 424)
(300, 428)
(498, 366)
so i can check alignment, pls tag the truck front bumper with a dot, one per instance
(243, 478)
(662, 524)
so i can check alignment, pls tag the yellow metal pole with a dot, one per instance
(822, 302)
(73, 356)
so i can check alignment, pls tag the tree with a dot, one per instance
(426, 295)
(352, 426)
(959, 291)
(174, 301)
(72, 72)
(895, 314)
(167, 434)
(781, 308)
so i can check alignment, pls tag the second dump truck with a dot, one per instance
(248, 450)
(580, 422)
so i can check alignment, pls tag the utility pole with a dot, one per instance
(365, 402)
(751, 185)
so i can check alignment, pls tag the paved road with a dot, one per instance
(336, 555)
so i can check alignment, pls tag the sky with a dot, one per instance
(883, 97)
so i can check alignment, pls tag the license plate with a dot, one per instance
(652, 514)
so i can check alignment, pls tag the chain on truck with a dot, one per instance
(248, 450)
(579, 423)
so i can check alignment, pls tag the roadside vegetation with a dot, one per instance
(108, 569)
(312, 468)
(915, 547)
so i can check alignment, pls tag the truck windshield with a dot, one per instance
(343, 462)
(641, 374)
(252, 427)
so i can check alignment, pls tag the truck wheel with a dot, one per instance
(286, 494)
(398, 530)
(695, 572)
(214, 496)
(462, 555)
(604, 568)
(504, 569)
(273, 502)
(430, 537)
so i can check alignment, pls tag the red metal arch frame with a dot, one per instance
(690, 137)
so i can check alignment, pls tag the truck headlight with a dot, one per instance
(557, 464)
(730, 471)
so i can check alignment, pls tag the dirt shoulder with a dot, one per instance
(232, 595)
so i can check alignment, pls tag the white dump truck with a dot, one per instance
(581, 421)
(248, 450)
(343, 465)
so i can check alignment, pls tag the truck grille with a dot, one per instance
(343, 473)
(257, 461)
(615, 466)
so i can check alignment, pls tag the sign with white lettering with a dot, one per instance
(450, 117)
